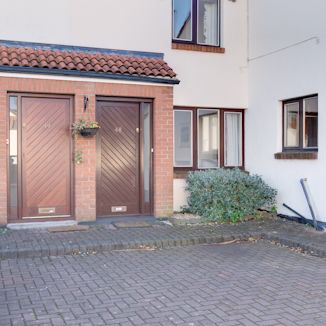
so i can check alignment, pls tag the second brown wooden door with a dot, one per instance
(118, 181)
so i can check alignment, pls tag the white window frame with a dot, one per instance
(218, 138)
(241, 138)
(285, 125)
(191, 140)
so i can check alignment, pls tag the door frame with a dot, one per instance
(140, 101)
(19, 218)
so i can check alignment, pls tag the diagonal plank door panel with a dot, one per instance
(46, 157)
(118, 181)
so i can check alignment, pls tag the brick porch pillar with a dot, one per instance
(163, 152)
(85, 173)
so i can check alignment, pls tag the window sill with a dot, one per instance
(296, 156)
(197, 47)
(182, 173)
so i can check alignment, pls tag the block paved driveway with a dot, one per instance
(235, 284)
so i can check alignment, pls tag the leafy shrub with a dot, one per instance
(227, 195)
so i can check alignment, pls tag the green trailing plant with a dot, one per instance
(227, 194)
(78, 156)
(82, 124)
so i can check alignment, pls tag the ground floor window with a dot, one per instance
(300, 124)
(207, 138)
(233, 139)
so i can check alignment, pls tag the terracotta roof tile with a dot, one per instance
(5, 61)
(84, 61)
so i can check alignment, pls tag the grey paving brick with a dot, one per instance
(237, 284)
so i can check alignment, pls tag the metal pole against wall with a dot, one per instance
(311, 204)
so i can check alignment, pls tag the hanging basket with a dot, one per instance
(88, 132)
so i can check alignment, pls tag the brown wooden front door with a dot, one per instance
(120, 175)
(44, 157)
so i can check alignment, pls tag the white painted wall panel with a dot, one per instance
(294, 72)
(179, 194)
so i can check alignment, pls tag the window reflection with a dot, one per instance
(310, 107)
(208, 138)
(208, 22)
(291, 125)
(182, 138)
(182, 20)
(232, 139)
(147, 151)
(13, 159)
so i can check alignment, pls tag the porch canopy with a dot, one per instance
(37, 58)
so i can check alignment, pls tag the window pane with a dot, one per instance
(208, 23)
(13, 159)
(291, 125)
(310, 122)
(147, 150)
(208, 138)
(182, 20)
(182, 138)
(232, 139)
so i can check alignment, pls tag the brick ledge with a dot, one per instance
(197, 47)
(296, 156)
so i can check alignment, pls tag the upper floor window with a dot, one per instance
(196, 21)
(300, 123)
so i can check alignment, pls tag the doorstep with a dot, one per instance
(40, 225)
(132, 219)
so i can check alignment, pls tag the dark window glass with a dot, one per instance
(310, 122)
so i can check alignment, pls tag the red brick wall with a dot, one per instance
(85, 173)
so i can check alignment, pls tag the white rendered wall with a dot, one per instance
(179, 196)
(294, 72)
(207, 79)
